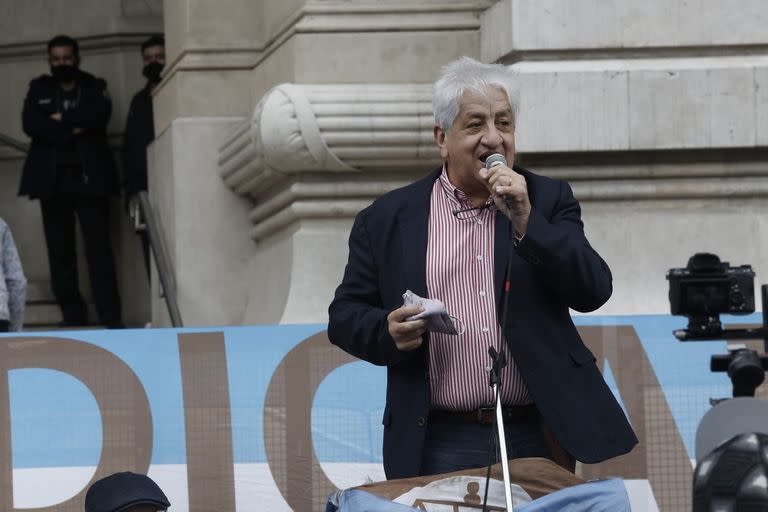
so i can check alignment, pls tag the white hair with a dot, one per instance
(466, 74)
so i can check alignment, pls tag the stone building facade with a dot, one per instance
(278, 120)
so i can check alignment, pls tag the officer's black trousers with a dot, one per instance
(59, 225)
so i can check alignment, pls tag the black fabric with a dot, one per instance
(89, 116)
(152, 72)
(553, 268)
(4, 325)
(484, 415)
(145, 251)
(139, 132)
(66, 152)
(69, 181)
(64, 72)
(59, 226)
(125, 489)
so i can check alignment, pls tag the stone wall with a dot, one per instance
(657, 113)
(296, 250)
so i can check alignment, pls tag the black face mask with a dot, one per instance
(64, 72)
(152, 72)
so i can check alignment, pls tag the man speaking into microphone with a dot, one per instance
(474, 230)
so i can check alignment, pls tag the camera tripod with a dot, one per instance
(745, 367)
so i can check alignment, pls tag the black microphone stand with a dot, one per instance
(499, 361)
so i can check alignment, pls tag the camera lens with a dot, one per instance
(746, 372)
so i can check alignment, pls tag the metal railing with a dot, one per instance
(145, 214)
(14, 143)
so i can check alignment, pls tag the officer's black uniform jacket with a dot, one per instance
(91, 115)
(139, 132)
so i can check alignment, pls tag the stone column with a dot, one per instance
(236, 263)
(310, 158)
(657, 114)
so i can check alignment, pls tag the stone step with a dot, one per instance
(42, 313)
(39, 314)
(51, 328)
(39, 291)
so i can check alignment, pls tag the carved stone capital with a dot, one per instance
(334, 128)
(321, 136)
(326, 151)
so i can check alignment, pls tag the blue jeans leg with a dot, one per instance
(457, 446)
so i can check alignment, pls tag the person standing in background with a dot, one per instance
(13, 284)
(140, 129)
(70, 169)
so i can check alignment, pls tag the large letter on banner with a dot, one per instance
(208, 421)
(288, 421)
(122, 401)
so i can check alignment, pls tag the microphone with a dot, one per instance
(494, 160)
(491, 162)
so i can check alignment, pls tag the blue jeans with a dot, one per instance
(458, 446)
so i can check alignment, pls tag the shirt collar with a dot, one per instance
(456, 195)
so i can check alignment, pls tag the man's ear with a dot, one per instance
(440, 136)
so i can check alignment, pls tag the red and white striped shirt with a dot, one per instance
(460, 273)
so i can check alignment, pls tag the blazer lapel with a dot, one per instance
(414, 223)
(503, 245)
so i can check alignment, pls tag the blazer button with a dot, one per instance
(421, 421)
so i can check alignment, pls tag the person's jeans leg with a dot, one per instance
(93, 214)
(59, 227)
(457, 446)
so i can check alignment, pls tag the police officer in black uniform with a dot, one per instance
(71, 171)
(140, 128)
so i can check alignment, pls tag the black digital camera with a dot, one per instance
(707, 288)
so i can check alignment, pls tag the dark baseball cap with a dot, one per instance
(122, 490)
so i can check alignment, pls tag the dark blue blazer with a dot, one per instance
(553, 268)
